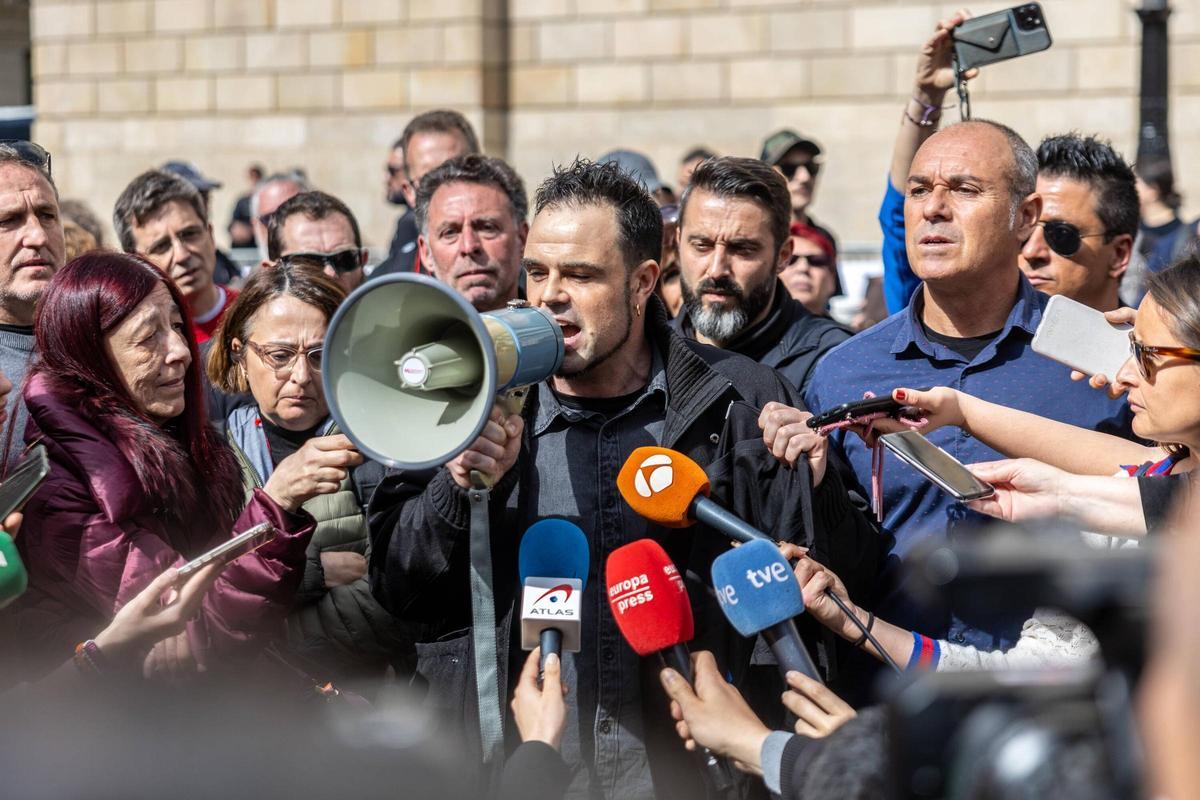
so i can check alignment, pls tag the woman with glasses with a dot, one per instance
(1161, 380)
(139, 481)
(268, 349)
(812, 275)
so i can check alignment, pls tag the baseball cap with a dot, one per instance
(635, 165)
(189, 172)
(780, 143)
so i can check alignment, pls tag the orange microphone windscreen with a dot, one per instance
(648, 598)
(660, 484)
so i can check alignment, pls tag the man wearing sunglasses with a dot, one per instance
(1081, 246)
(318, 229)
(797, 159)
(970, 206)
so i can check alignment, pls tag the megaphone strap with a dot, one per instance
(483, 627)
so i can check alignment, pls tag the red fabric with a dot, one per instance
(91, 541)
(205, 330)
(816, 237)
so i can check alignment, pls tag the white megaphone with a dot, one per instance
(411, 369)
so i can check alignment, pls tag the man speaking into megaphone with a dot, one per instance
(625, 381)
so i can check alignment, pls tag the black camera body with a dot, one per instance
(1014, 32)
(1055, 733)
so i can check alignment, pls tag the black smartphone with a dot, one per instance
(856, 408)
(1016, 31)
(24, 480)
(245, 542)
(939, 467)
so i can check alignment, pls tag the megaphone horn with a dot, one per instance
(410, 369)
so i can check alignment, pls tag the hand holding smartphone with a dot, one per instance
(246, 542)
(1080, 337)
(939, 467)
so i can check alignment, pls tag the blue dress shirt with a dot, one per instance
(896, 352)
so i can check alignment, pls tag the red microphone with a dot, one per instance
(650, 604)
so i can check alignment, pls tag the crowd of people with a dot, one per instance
(180, 402)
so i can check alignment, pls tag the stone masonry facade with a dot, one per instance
(123, 85)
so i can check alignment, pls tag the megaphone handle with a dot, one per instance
(513, 401)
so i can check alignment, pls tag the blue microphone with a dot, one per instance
(759, 594)
(553, 563)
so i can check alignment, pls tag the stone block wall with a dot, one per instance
(122, 85)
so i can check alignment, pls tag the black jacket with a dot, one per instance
(402, 252)
(791, 339)
(420, 531)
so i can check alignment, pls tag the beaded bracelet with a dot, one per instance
(929, 116)
(88, 658)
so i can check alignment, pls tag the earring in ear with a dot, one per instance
(637, 309)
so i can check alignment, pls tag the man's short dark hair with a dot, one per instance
(746, 178)
(701, 153)
(442, 120)
(473, 168)
(315, 205)
(145, 195)
(1093, 161)
(587, 183)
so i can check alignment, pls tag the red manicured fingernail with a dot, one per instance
(899, 394)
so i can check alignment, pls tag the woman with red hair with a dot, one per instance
(139, 481)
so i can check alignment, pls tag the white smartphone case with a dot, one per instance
(1080, 337)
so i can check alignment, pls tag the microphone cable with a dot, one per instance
(863, 630)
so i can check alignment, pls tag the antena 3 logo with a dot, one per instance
(653, 475)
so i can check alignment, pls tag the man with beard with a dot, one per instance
(163, 218)
(32, 249)
(733, 243)
(627, 380)
(471, 222)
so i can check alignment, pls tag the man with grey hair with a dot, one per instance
(32, 249)
(270, 194)
(970, 204)
(471, 225)
(164, 219)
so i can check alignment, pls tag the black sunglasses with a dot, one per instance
(342, 261)
(29, 152)
(1065, 238)
(820, 261)
(789, 168)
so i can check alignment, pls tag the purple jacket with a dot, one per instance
(91, 542)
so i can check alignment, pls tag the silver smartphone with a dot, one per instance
(1080, 337)
(245, 542)
(939, 467)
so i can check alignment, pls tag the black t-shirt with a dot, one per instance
(24, 330)
(283, 442)
(968, 347)
(605, 406)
